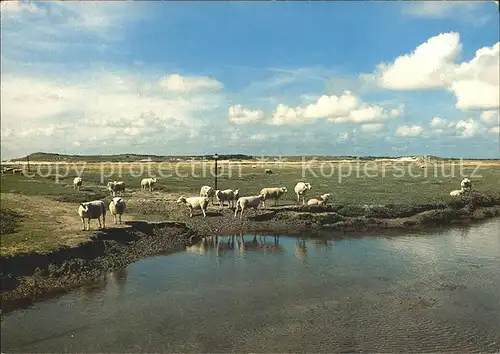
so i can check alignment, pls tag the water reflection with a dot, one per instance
(113, 282)
(261, 243)
(301, 250)
(264, 293)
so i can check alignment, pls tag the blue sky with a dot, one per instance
(299, 78)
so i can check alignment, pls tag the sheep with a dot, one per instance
(236, 193)
(272, 193)
(301, 189)
(320, 201)
(268, 171)
(207, 191)
(466, 184)
(195, 203)
(115, 186)
(247, 203)
(148, 183)
(254, 166)
(225, 195)
(457, 192)
(92, 210)
(77, 183)
(117, 207)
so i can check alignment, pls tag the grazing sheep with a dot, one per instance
(466, 184)
(148, 183)
(301, 189)
(207, 191)
(236, 193)
(247, 203)
(92, 210)
(254, 166)
(268, 171)
(17, 170)
(195, 203)
(117, 207)
(225, 195)
(272, 193)
(320, 201)
(114, 187)
(457, 192)
(77, 183)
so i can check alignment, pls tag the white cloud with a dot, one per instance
(242, 115)
(409, 130)
(469, 128)
(185, 84)
(125, 109)
(346, 108)
(428, 66)
(494, 130)
(490, 117)
(438, 122)
(433, 65)
(372, 128)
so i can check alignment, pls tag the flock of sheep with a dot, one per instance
(97, 209)
(207, 195)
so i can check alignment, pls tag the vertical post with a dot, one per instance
(28, 160)
(216, 170)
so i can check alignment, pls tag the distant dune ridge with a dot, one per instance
(43, 157)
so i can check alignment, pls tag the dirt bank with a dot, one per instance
(28, 277)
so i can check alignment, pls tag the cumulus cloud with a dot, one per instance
(469, 128)
(433, 65)
(242, 115)
(128, 110)
(184, 84)
(409, 130)
(346, 108)
(464, 128)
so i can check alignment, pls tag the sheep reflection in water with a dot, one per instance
(212, 244)
(260, 243)
(301, 249)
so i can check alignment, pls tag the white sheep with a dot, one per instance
(268, 171)
(195, 203)
(207, 191)
(92, 210)
(114, 187)
(272, 193)
(457, 192)
(247, 203)
(77, 182)
(319, 201)
(301, 189)
(148, 183)
(117, 207)
(227, 195)
(466, 184)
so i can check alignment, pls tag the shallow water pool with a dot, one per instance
(423, 292)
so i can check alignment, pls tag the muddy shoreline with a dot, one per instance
(32, 277)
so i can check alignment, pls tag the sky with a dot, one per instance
(260, 78)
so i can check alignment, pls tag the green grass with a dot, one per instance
(355, 189)
(39, 214)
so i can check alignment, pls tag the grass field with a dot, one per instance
(40, 211)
